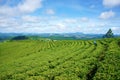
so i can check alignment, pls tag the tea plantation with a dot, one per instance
(60, 60)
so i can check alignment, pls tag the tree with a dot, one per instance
(20, 38)
(109, 34)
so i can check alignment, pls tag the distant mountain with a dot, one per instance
(57, 36)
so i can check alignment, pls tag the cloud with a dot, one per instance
(60, 26)
(5, 10)
(84, 19)
(107, 15)
(111, 3)
(75, 20)
(29, 18)
(116, 30)
(50, 12)
(70, 20)
(7, 21)
(37, 24)
(27, 6)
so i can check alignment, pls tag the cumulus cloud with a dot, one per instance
(107, 15)
(111, 3)
(50, 11)
(27, 6)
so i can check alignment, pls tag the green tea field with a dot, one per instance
(60, 60)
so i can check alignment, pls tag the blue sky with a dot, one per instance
(59, 16)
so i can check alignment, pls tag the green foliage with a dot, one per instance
(60, 60)
(20, 38)
(109, 34)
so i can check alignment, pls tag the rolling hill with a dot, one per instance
(60, 60)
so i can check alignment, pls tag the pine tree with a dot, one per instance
(109, 34)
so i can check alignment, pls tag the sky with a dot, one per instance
(59, 16)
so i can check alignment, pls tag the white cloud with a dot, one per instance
(7, 21)
(75, 20)
(5, 10)
(37, 24)
(115, 28)
(29, 18)
(107, 15)
(111, 3)
(102, 24)
(84, 19)
(27, 6)
(60, 26)
(70, 20)
(92, 25)
(50, 11)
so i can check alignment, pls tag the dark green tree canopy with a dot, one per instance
(109, 34)
(20, 38)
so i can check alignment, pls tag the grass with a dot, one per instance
(60, 60)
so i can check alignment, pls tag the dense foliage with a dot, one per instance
(20, 38)
(60, 60)
(109, 34)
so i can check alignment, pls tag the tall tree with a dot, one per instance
(109, 34)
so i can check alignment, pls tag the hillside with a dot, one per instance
(54, 36)
(60, 60)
